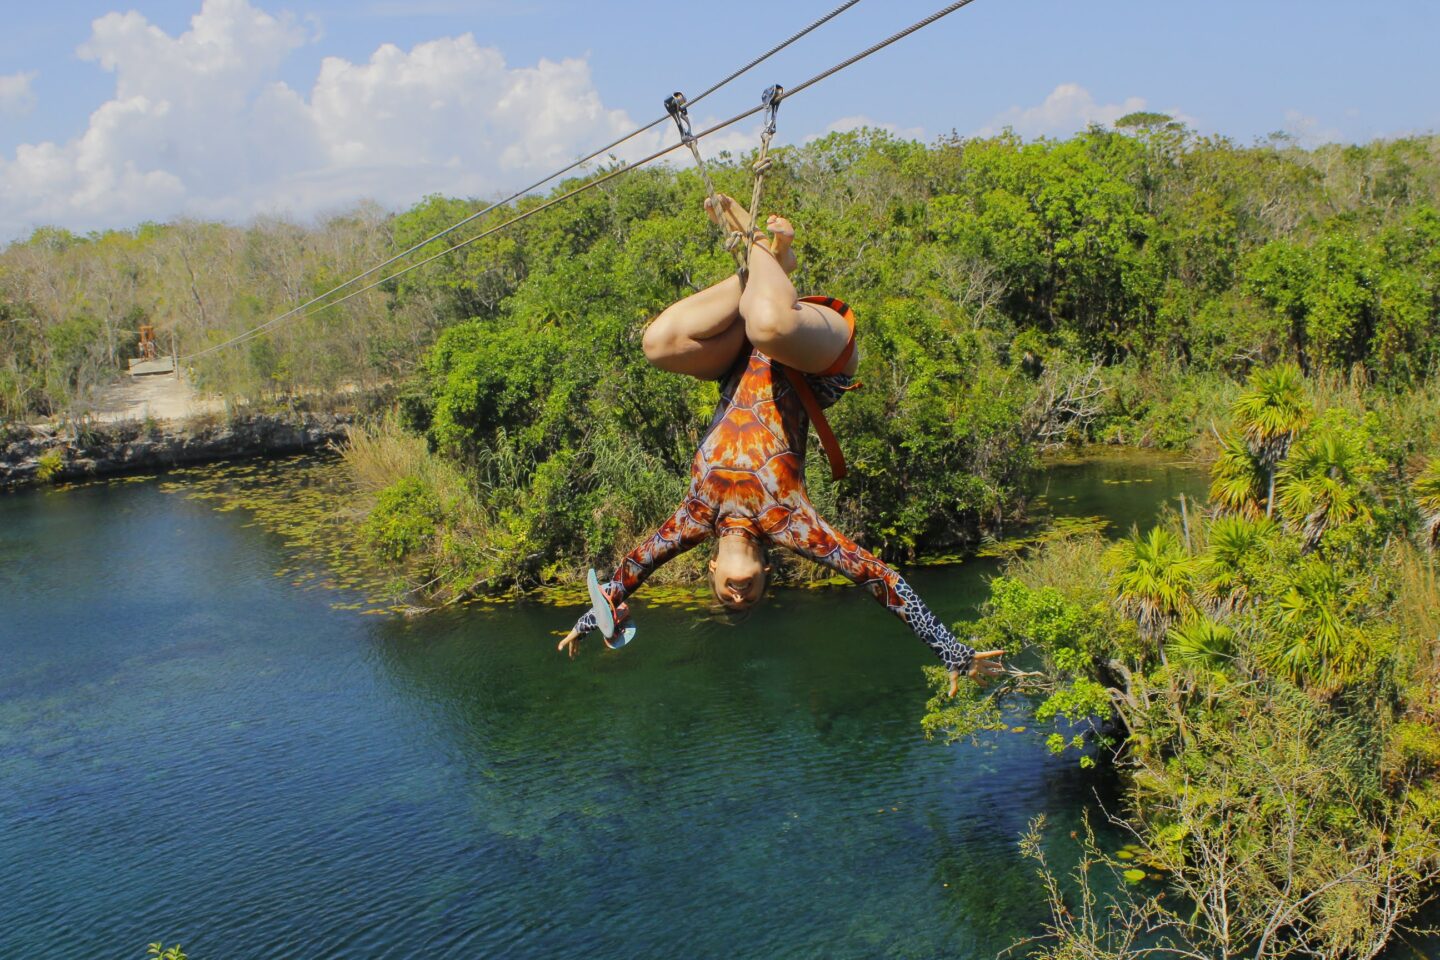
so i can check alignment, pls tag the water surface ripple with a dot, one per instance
(192, 749)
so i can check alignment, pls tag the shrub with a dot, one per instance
(49, 464)
(403, 520)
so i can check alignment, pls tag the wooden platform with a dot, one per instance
(140, 368)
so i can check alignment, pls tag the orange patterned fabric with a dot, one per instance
(748, 478)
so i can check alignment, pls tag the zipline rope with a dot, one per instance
(623, 168)
(818, 22)
(680, 113)
(760, 167)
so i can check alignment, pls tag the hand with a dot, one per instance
(983, 667)
(571, 643)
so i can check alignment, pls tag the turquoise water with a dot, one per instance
(193, 749)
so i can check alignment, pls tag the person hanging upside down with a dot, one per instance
(747, 486)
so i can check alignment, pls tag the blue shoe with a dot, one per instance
(600, 605)
(605, 615)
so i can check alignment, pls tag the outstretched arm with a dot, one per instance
(809, 535)
(680, 533)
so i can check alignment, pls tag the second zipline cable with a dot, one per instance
(818, 22)
(605, 178)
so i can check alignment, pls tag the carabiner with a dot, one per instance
(770, 99)
(675, 106)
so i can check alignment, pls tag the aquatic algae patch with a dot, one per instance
(1060, 528)
(309, 503)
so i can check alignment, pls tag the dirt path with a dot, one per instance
(156, 397)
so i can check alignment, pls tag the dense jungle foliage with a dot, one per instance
(1116, 286)
(1263, 667)
(1266, 672)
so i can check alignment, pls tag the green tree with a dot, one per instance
(1310, 637)
(1270, 412)
(1152, 576)
(1239, 480)
(1280, 274)
(1327, 480)
(1426, 488)
(1233, 542)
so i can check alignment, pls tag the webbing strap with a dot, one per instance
(817, 416)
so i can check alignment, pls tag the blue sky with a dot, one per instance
(111, 113)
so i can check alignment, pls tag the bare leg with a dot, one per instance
(806, 336)
(700, 335)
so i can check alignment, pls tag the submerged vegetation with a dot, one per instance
(1265, 674)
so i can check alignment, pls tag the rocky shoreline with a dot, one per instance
(32, 455)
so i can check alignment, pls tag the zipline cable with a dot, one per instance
(813, 25)
(605, 178)
(623, 168)
(767, 54)
(900, 35)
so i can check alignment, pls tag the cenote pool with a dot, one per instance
(195, 749)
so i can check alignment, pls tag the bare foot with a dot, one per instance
(782, 234)
(730, 215)
(719, 209)
(735, 218)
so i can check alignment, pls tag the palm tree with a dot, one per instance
(1201, 642)
(1309, 638)
(1232, 540)
(1151, 576)
(1325, 481)
(1427, 497)
(1270, 413)
(1238, 478)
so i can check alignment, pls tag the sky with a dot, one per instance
(112, 114)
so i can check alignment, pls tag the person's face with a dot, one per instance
(738, 572)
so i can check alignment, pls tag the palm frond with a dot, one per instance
(1238, 479)
(1152, 577)
(1272, 411)
(1426, 488)
(1201, 642)
(1326, 482)
(1310, 638)
(1232, 540)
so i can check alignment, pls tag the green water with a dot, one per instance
(193, 748)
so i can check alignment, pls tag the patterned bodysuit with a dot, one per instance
(748, 478)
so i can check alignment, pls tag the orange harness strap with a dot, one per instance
(846, 314)
(817, 417)
(807, 396)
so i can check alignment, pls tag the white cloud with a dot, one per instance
(199, 125)
(16, 97)
(1310, 132)
(1068, 109)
